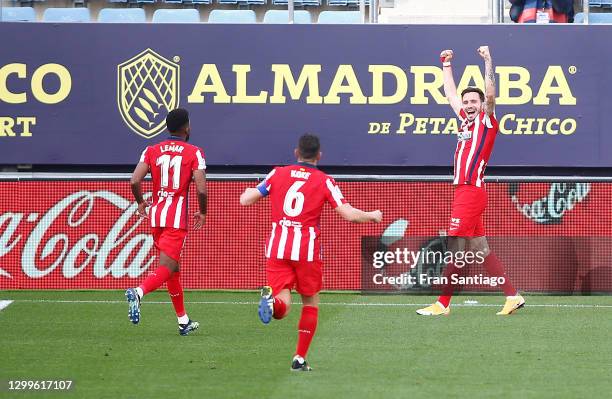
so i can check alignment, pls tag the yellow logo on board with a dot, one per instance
(147, 89)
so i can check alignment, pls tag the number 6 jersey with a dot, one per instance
(171, 164)
(297, 195)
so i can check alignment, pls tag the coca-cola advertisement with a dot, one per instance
(55, 234)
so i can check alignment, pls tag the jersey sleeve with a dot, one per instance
(266, 185)
(198, 162)
(332, 193)
(144, 157)
(489, 121)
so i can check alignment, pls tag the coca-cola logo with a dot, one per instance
(550, 209)
(69, 236)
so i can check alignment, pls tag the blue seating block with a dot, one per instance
(122, 15)
(185, 15)
(17, 14)
(66, 15)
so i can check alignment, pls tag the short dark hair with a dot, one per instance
(177, 119)
(309, 146)
(473, 90)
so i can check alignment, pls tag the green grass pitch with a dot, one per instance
(365, 347)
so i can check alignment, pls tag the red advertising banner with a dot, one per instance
(84, 234)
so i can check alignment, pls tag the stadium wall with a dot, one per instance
(252, 89)
(80, 232)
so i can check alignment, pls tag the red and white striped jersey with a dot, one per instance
(171, 164)
(297, 195)
(474, 147)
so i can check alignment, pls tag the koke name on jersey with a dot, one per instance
(300, 174)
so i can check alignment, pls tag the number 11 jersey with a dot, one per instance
(297, 195)
(171, 164)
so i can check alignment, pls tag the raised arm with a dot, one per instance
(483, 51)
(450, 89)
(355, 215)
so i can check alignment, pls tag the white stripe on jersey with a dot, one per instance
(142, 156)
(164, 212)
(152, 215)
(479, 179)
(201, 161)
(281, 243)
(269, 249)
(311, 240)
(335, 192)
(297, 239)
(458, 163)
(473, 146)
(177, 214)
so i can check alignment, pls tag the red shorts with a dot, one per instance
(306, 277)
(469, 204)
(169, 240)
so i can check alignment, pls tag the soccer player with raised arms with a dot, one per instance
(297, 195)
(173, 164)
(476, 137)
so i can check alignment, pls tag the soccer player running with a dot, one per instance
(173, 163)
(475, 143)
(297, 195)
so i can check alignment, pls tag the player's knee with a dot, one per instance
(310, 300)
(485, 251)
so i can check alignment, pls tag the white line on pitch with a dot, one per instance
(544, 305)
(4, 303)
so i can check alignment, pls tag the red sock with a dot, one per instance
(155, 280)
(449, 288)
(176, 293)
(306, 329)
(494, 268)
(280, 308)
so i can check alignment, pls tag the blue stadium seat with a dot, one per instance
(351, 3)
(122, 15)
(243, 2)
(600, 3)
(66, 15)
(232, 17)
(282, 17)
(594, 18)
(201, 1)
(173, 1)
(117, 1)
(340, 17)
(298, 3)
(17, 14)
(186, 15)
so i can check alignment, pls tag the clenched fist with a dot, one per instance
(446, 55)
(483, 51)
